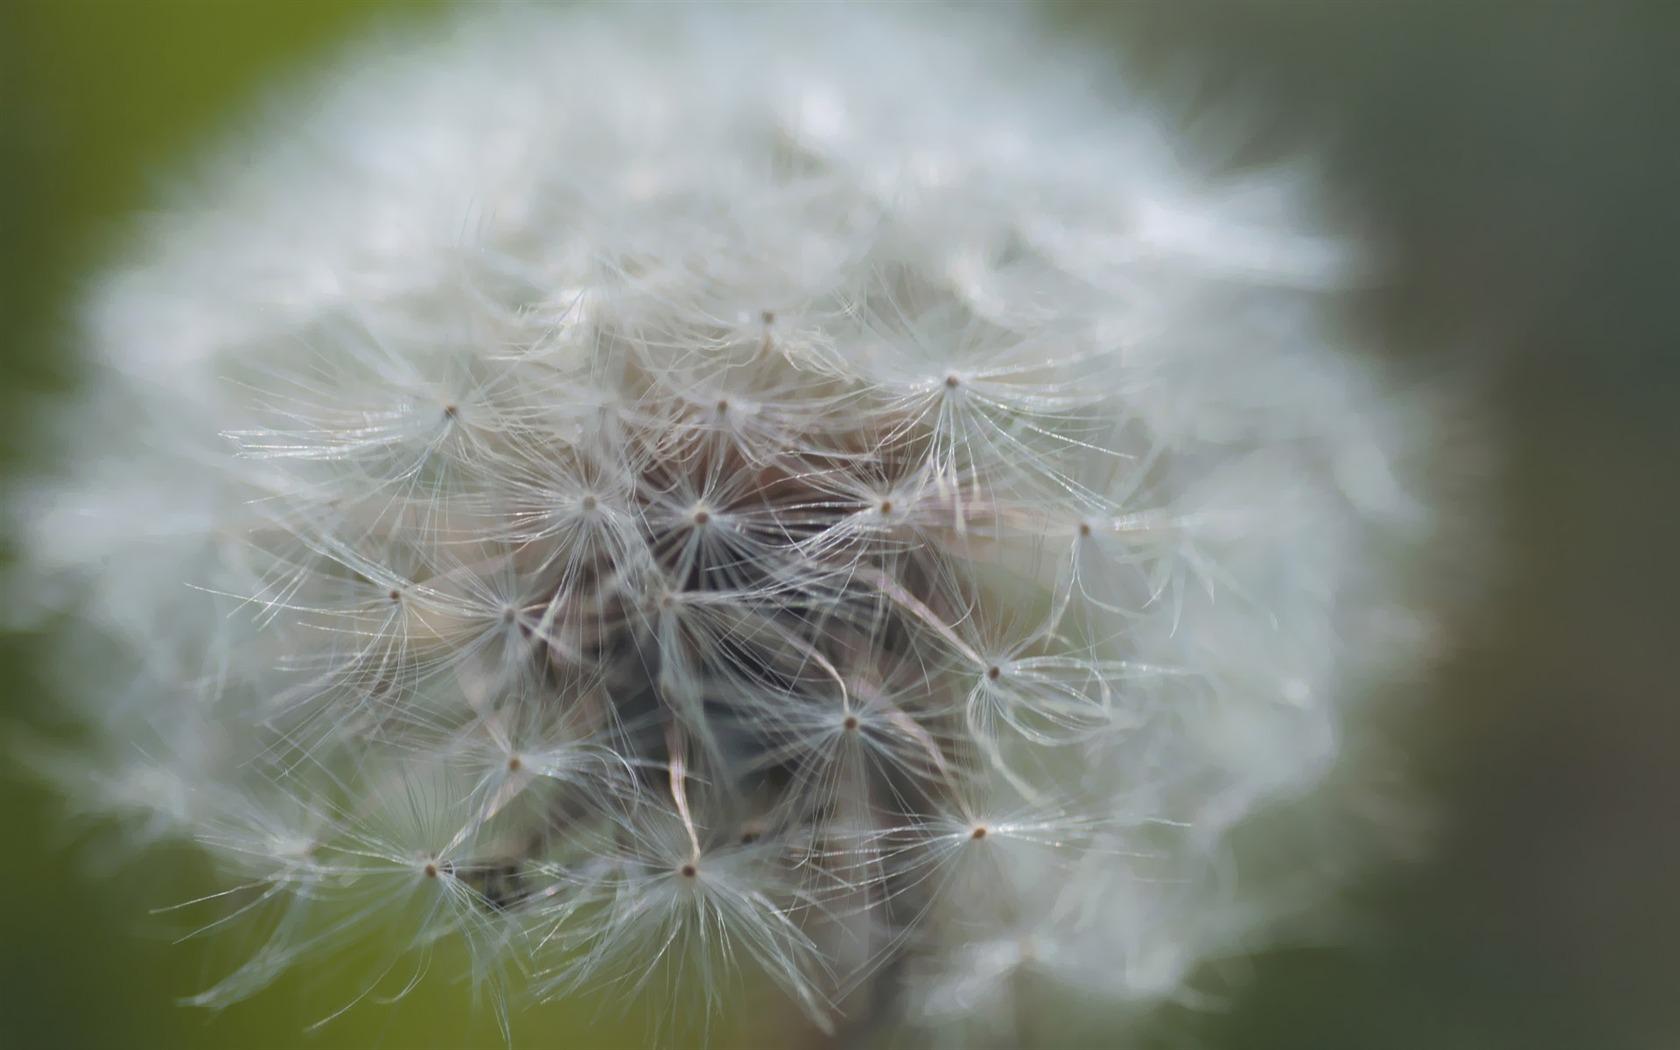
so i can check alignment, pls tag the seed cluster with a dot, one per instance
(668, 496)
(720, 623)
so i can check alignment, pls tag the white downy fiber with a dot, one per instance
(662, 491)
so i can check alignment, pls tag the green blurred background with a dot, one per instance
(1525, 157)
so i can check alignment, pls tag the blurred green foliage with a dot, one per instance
(1524, 159)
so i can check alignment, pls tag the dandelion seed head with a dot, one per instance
(823, 495)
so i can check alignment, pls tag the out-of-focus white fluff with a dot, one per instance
(802, 488)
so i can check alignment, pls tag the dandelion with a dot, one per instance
(678, 496)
